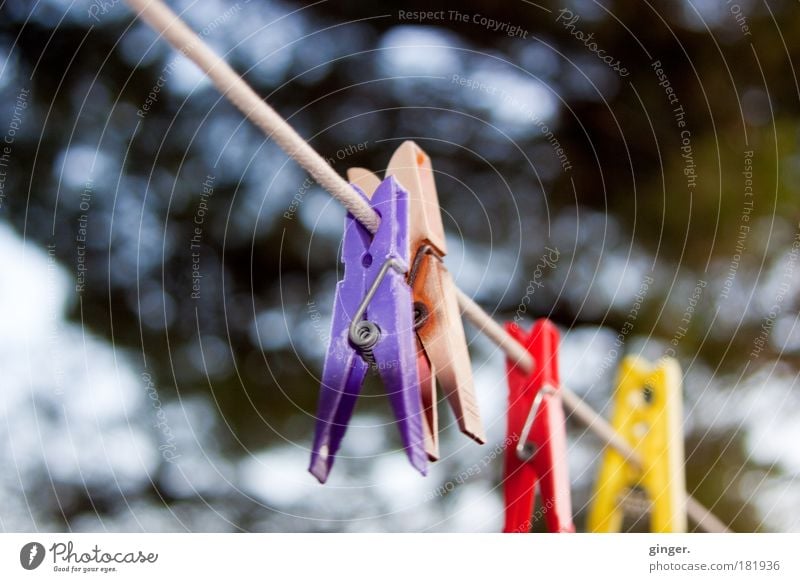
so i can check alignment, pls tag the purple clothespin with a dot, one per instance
(373, 326)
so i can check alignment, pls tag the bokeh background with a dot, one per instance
(127, 403)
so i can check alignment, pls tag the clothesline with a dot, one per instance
(171, 27)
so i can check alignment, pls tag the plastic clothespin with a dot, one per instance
(442, 345)
(373, 326)
(536, 450)
(648, 414)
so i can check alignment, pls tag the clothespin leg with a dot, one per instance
(518, 490)
(605, 513)
(446, 344)
(519, 477)
(392, 352)
(667, 478)
(550, 463)
(344, 370)
(427, 387)
(339, 390)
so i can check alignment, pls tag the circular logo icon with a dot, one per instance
(31, 555)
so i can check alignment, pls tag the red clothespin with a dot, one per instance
(538, 443)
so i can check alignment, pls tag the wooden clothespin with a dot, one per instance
(536, 451)
(442, 345)
(648, 414)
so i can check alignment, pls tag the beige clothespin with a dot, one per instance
(443, 352)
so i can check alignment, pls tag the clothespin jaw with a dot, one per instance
(443, 352)
(648, 414)
(373, 326)
(412, 167)
(537, 452)
(364, 180)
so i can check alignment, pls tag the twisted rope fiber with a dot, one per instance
(165, 22)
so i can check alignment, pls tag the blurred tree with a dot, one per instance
(118, 121)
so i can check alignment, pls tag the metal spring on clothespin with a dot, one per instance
(364, 334)
(421, 312)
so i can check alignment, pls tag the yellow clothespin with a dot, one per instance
(648, 413)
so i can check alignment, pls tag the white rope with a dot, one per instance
(495, 332)
(231, 85)
(234, 88)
